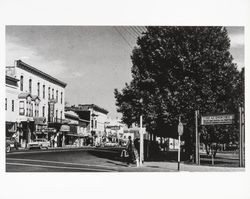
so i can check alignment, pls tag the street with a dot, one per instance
(90, 160)
(76, 160)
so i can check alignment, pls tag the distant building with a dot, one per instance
(94, 116)
(114, 129)
(40, 99)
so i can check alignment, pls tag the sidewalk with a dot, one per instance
(172, 167)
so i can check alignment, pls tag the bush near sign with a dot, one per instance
(217, 119)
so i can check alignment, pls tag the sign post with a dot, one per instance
(241, 148)
(197, 140)
(141, 141)
(220, 119)
(180, 132)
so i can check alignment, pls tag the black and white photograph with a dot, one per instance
(128, 106)
(124, 98)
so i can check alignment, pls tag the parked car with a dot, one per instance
(11, 144)
(39, 143)
(112, 144)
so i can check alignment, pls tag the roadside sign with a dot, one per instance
(180, 129)
(217, 119)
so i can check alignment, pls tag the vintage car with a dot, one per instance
(39, 143)
(11, 144)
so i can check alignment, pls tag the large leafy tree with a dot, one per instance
(177, 70)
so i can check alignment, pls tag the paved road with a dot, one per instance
(90, 160)
(71, 160)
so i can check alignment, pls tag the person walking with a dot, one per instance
(129, 149)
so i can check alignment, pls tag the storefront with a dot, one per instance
(40, 126)
(10, 128)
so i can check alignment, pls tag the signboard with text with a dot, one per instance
(217, 119)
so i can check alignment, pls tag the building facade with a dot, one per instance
(40, 99)
(95, 118)
(11, 105)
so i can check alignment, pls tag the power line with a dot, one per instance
(142, 28)
(135, 30)
(132, 32)
(134, 36)
(122, 36)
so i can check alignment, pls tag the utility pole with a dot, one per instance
(241, 138)
(197, 144)
(180, 132)
(141, 142)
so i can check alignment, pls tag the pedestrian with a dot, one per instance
(130, 149)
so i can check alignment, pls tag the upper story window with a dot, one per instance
(61, 97)
(21, 83)
(52, 93)
(6, 104)
(27, 108)
(30, 85)
(38, 89)
(43, 91)
(92, 123)
(43, 111)
(13, 105)
(21, 108)
(56, 95)
(95, 124)
(49, 93)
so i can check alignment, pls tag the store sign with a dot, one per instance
(115, 128)
(65, 128)
(217, 119)
(51, 110)
(39, 120)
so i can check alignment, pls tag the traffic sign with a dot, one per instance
(180, 129)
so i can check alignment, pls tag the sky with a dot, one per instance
(92, 60)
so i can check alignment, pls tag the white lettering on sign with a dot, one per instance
(217, 119)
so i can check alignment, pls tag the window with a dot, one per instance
(36, 110)
(61, 116)
(31, 110)
(43, 111)
(95, 124)
(61, 97)
(56, 95)
(30, 86)
(27, 108)
(43, 91)
(6, 104)
(52, 93)
(13, 105)
(21, 83)
(21, 108)
(38, 89)
(49, 93)
(92, 123)
(56, 115)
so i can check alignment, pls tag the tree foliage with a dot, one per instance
(177, 70)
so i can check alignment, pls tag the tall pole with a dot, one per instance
(141, 141)
(179, 152)
(240, 147)
(197, 161)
